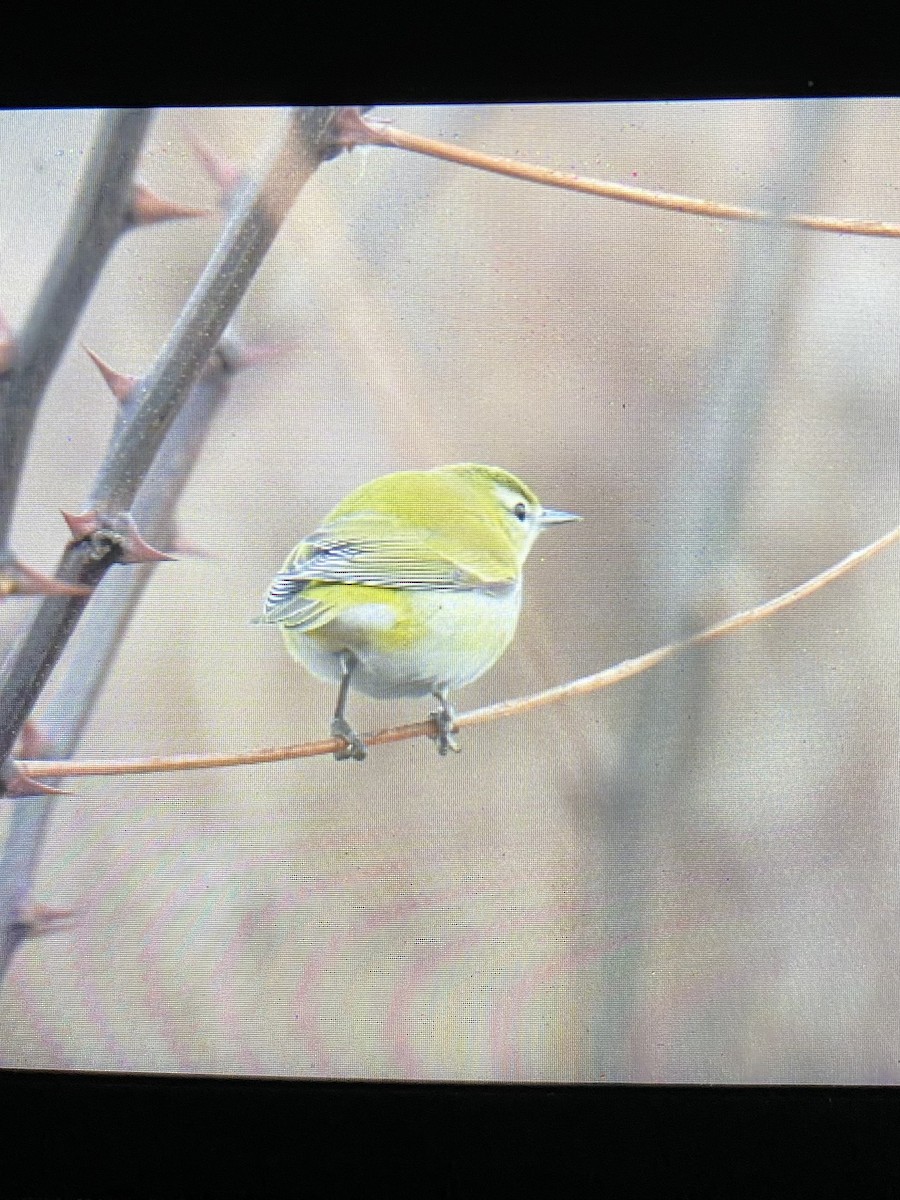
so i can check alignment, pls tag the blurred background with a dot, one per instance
(688, 878)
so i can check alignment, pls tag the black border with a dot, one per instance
(96, 1135)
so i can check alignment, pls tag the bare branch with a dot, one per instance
(118, 596)
(356, 132)
(609, 677)
(107, 618)
(257, 217)
(98, 216)
(99, 637)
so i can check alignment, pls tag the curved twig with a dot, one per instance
(627, 669)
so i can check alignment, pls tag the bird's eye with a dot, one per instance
(520, 511)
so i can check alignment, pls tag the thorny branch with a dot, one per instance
(107, 531)
(152, 417)
(100, 213)
(99, 637)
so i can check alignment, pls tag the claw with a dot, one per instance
(445, 719)
(355, 747)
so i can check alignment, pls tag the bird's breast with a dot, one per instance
(411, 643)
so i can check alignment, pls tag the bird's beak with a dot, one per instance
(555, 516)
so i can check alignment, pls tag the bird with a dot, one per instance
(410, 587)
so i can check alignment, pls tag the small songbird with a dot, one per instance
(412, 586)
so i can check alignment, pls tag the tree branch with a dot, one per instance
(98, 639)
(258, 214)
(101, 633)
(609, 677)
(356, 132)
(99, 215)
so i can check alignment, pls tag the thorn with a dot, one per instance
(8, 345)
(225, 174)
(119, 530)
(19, 785)
(39, 584)
(16, 579)
(82, 525)
(133, 547)
(33, 742)
(349, 129)
(119, 384)
(147, 208)
(37, 920)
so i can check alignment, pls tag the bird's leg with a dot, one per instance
(444, 718)
(340, 726)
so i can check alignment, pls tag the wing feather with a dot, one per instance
(369, 551)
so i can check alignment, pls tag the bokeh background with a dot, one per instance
(690, 878)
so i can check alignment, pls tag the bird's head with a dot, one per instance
(508, 504)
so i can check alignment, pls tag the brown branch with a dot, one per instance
(359, 133)
(619, 673)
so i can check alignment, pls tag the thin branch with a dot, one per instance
(258, 215)
(360, 133)
(98, 216)
(619, 673)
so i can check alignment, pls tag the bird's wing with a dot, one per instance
(371, 553)
(287, 603)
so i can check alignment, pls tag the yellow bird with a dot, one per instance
(412, 586)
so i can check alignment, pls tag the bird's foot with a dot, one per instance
(445, 737)
(355, 747)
